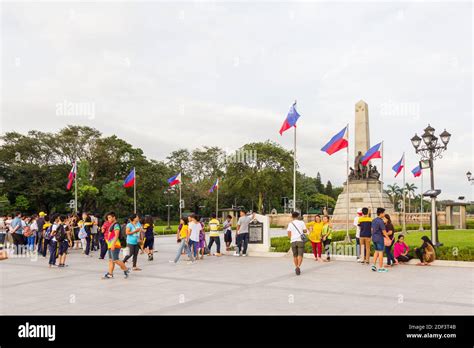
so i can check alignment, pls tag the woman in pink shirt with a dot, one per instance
(400, 250)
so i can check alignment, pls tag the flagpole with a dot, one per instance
(348, 239)
(294, 171)
(403, 202)
(180, 209)
(134, 191)
(421, 201)
(381, 172)
(217, 201)
(75, 188)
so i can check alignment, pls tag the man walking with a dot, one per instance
(114, 246)
(242, 234)
(296, 229)
(214, 234)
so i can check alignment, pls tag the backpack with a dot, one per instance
(82, 233)
(60, 233)
(123, 235)
(47, 234)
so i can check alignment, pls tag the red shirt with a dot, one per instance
(105, 228)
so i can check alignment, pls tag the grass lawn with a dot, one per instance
(449, 238)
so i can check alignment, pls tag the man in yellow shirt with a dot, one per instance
(316, 229)
(214, 226)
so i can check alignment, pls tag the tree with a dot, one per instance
(329, 190)
(21, 203)
(410, 190)
(394, 191)
(319, 184)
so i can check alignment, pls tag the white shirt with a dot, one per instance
(195, 229)
(295, 235)
(356, 224)
(54, 228)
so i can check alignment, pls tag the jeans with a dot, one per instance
(194, 245)
(44, 246)
(404, 258)
(243, 242)
(182, 246)
(103, 247)
(18, 241)
(358, 248)
(88, 244)
(216, 239)
(3, 237)
(390, 258)
(31, 242)
(133, 252)
(53, 249)
(327, 247)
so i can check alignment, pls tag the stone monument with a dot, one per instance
(365, 187)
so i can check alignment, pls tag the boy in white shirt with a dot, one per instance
(296, 229)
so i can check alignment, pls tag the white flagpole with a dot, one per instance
(217, 200)
(404, 193)
(135, 192)
(347, 191)
(381, 171)
(421, 201)
(180, 209)
(294, 171)
(75, 186)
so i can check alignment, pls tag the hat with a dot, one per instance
(359, 211)
(42, 213)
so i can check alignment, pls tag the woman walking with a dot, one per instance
(391, 234)
(182, 237)
(132, 231)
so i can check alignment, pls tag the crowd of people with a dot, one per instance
(378, 232)
(56, 234)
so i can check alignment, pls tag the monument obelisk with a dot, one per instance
(365, 188)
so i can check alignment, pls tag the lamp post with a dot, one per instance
(429, 151)
(169, 205)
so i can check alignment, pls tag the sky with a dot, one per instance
(168, 75)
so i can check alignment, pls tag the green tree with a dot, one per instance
(319, 184)
(21, 203)
(329, 190)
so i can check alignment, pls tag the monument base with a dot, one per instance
(362, 193)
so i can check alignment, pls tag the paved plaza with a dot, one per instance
(231, 285)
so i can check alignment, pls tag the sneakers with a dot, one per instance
(297, 271)
(374, 268)
(236, 254)
(171, 261)
(382, 270)
(245, 255)
(125, 273)
(359, 260)
(150, 257)
(218, 254)
(108, 276)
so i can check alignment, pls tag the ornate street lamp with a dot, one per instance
(469, 177)
(429, 151)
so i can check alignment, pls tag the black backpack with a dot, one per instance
(123, 235)
(60, 233)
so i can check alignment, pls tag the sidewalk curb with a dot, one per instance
(438, 263)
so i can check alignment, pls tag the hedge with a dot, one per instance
(282, 244)
(415, 227)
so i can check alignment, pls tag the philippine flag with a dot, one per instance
(175, 180)
(397, 168)
(373, 152)
(216, 185)
(130, 179)
(291, 119)
(338, 142)
(71, 176)
(416, 171)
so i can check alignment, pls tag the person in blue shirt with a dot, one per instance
(16, 229)
(133, 230)
(378, 233)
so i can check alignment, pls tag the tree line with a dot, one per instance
(34, 168)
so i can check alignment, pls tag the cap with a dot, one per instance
(42, 213)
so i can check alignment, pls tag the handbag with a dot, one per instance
(387, 241)
(82, 233)
(304, 237)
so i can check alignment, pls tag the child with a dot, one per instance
(53, 243)
(202, 240)
(64, 240)
(149, 239)
(228, 232)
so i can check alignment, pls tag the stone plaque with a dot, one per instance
(256, 232)
(357, 199)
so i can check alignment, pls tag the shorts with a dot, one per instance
(228, 236)
(149, 242)
(297, 248)
(379, 246)
(63, 246)
(114, 254)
